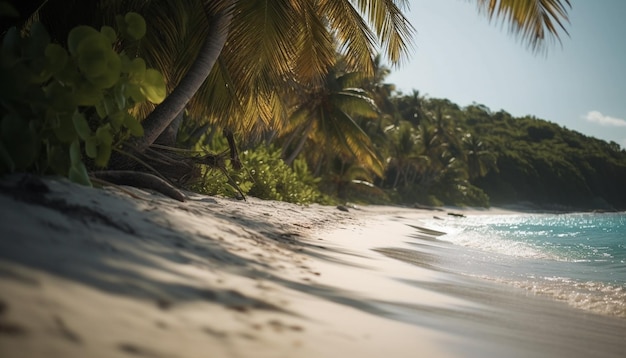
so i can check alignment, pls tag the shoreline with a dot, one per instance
(95, 273)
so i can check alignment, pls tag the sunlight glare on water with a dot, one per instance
(579, 258)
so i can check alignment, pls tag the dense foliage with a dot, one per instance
(504, 158)
(65, 108)
(545, 163)
(265, 176)
(315, 115)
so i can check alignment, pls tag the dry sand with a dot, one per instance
(97, 273)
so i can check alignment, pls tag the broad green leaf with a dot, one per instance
(137, 70)
(101, 109)
(112, 73)
(104, 153)
(133, 125)
(135, 26)
(38, 73)
(126, 62)
(81, 126)
(153, 86)
(109, 33)
(56, 58)
(109, 105)
(119, 92)
(75, 156)
(93, 55)
(91, 147)
(77, 35)
(62, 126)
(104, 135)
(78, 174)
(117, 119)
(35, 44)
(135, 93)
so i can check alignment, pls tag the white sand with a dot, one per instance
(96, 273)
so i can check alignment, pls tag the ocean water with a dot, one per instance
(579, 258)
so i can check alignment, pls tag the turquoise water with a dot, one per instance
(579, 258)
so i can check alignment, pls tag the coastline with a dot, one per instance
(96, 273)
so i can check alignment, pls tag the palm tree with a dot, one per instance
(411, 107)
(247, 48)
(324, 119)
(404, 143)
(479, 159)
(225, 59)
(261, 53)
(444, 118)
(235, 58)
(277, 45)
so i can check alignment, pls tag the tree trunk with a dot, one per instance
(235, 162)
(287, 143)
(175, 102)
(300, 146)
(168, 137)
(397, 178)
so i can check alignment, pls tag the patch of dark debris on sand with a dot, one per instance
(6, 327)
(32, 190)
(64, 330)
(135, 350)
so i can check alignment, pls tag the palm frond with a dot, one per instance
(356, 41)
(391, 26)
(346, 135)
(356, 102)
(316, 49)
(534, 21)
(261, 44)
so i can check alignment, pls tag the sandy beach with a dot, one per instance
(129, 273)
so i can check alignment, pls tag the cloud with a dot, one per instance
(606, 121)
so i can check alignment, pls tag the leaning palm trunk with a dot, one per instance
(165, 113)
(162, 124)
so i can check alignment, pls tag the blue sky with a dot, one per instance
(458, 54)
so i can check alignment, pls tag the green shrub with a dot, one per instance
(265, 176)
(63, 108)
(275, 180)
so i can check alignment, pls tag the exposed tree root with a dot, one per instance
(161, 168)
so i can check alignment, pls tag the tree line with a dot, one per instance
(280, 99)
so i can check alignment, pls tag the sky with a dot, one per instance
(580, 84)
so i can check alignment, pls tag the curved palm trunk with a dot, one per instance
(397, 178)
(168, 137)
(165, 113)
(300, 146)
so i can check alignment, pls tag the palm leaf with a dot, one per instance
(391, 26)
(346, 136)
(356, 102)
(356, 41)
(315, 45)
(534, 21)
